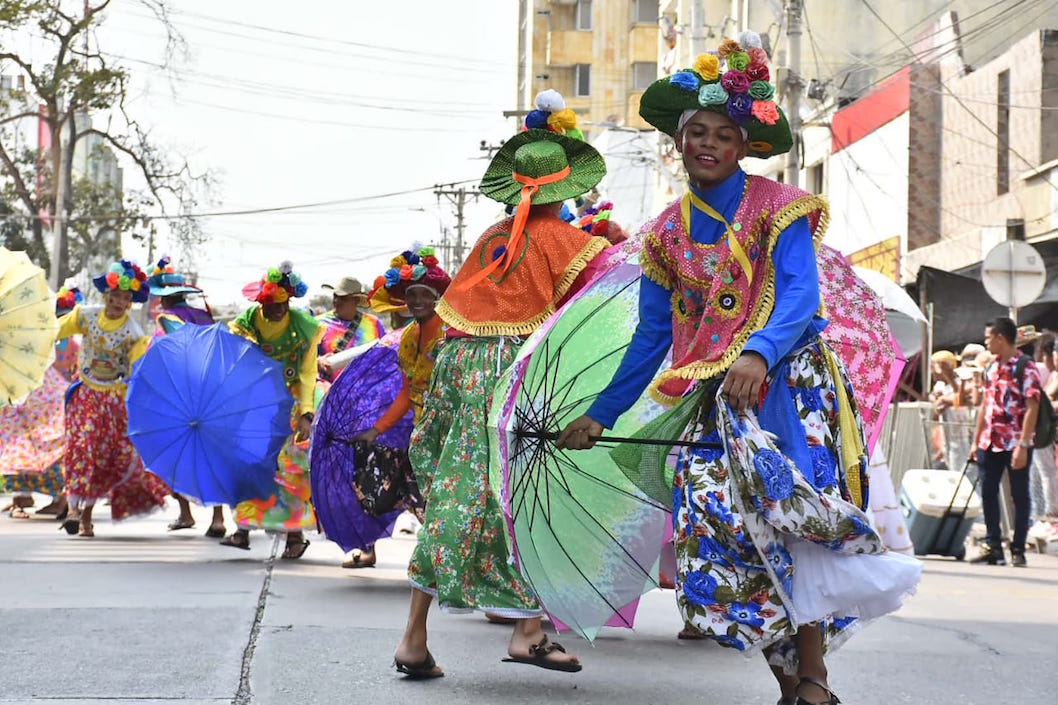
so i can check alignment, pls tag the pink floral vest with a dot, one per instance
(716, 303)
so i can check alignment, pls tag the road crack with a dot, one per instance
(243, 696)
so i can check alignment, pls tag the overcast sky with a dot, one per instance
(332, 100)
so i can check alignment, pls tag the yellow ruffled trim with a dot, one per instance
(651, 267)
(798, 208)
(113, 388)
(496, 328)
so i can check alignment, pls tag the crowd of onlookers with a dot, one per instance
(987, 398)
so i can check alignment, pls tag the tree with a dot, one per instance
(79, 80)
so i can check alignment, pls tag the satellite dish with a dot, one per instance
(1013, 273)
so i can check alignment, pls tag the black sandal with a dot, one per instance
(832, 700)
(538, 656)
(237, 540)
(427, 668)
(295, 549)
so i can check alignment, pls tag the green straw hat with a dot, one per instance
(534, 154)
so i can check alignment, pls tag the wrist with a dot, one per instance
(1024, 444)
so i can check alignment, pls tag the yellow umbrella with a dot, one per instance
(27, 326)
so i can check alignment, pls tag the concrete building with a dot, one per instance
(600, 55)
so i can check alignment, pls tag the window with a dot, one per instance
(645, 11)
(814, 178)
(643, 74)
(584, 14)
(582, 80)
(1003, 133)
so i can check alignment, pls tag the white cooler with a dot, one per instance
(939, 507)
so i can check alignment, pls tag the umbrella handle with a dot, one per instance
(553, 436)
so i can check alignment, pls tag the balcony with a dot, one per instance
(568, 47)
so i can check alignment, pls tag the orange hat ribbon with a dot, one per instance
(530, 186)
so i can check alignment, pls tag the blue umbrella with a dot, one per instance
(208, 413)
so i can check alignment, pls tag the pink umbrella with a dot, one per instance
(860, 335)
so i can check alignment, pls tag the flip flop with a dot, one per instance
(295, 550)
(424, 670)
(215, 533)
(181, 524)
(538, 656)
(237, 540)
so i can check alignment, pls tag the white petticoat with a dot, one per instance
(831, 584)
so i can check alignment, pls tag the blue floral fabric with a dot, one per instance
(739, 501)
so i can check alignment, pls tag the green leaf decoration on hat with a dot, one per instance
(536, 153)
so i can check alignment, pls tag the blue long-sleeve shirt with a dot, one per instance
(793, 320)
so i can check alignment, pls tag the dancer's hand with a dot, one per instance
(304, 428)
(578, 434)
(743, 381)
(367, 436)
(323, 364)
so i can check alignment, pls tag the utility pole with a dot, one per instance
(794, 85)
(697, 28)
(458, 198)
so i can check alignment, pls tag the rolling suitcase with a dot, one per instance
(939, 507)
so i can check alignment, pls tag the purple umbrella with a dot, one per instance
(359, 397)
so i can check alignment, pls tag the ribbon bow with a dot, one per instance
(530, 185)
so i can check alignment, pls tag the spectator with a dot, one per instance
(1003, 439)
(1043, 483)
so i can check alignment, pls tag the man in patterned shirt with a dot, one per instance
(1006, 424)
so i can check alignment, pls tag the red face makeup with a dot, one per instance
(712, 146)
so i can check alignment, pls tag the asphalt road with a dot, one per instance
(139, 615)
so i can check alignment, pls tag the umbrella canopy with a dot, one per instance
(585, 538)
(27, 326)
(208, 413)
(356, 400)
(904, 316)
(860, 335)
(32, 434)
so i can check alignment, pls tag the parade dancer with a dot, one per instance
(416, 279)
(171, 290)
(290, 337)
(516, 276)
(769, 511)
(346, 325)
(100, 460)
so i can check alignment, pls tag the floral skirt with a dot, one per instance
(48, 482)
(462, 554)
(758, 535)
(100, 460)
(289, 507)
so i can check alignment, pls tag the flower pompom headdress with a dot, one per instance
(551, 114)
(417, 266)
(166, 281)
(66, 299)
(123, 276)
(734, 81)
(596, 221)
(277, 285)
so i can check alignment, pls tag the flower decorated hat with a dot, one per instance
(165, 281)
(547, 162)
(409, 269)
(66, 299)
(278, 285)
(734, 81)
(123, 276)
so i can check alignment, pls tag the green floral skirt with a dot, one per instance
(462, 555)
